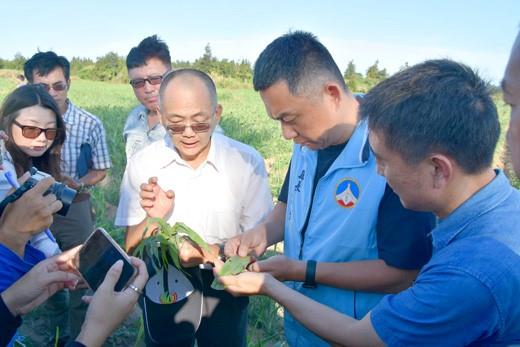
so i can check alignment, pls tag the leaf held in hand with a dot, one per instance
(233, 266)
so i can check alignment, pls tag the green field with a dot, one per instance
(244, 119)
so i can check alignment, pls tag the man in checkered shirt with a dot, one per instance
(85, 160)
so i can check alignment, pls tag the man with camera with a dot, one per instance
(85, 159)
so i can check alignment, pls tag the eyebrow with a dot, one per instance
(198, 114)
(282, 115)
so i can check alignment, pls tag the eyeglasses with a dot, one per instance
(197, 127)
(58, 86)
(139, 82)
(32, 132)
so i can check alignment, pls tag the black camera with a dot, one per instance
(62, 192)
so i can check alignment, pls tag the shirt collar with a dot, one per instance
(356, 152)
(66, 116)
(172, 156)
(480, 203)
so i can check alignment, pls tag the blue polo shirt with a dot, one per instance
(468, 293)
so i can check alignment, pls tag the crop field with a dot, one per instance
(244, 119)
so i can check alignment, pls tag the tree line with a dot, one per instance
(112, 67)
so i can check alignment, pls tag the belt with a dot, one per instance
(82, 196)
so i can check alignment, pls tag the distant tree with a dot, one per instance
(206, 62)
(352, 78)
(110, 67)
(373, 71)
(17, 62)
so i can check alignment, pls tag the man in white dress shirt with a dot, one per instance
(215, 185)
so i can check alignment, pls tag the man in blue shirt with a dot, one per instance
(347, 238)
(434, 129)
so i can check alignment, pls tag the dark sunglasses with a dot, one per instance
(139, 82)
(32, 132)
(58, 86)
(197, 127)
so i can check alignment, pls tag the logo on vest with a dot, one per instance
(347, 193)
(301, 177)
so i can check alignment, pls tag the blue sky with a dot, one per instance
(477, 32)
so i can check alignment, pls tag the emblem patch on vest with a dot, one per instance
(347, 193)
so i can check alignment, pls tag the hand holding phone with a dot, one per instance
(97, 256)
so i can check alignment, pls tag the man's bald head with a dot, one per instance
(189, 78)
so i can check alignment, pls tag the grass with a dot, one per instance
(244, 119)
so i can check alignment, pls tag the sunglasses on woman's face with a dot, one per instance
(32, 132)
(58, 86)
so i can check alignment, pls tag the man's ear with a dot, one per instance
(442, 170)
(333, 92)
(218, 113)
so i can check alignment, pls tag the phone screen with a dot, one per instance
(96, 257)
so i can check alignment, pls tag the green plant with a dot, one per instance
(164, 244)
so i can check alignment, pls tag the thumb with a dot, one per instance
(170, 194)
(112, 276)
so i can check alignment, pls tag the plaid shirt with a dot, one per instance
(83, 127)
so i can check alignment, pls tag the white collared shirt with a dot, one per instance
(227, 194)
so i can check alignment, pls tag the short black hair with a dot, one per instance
(202, 76)
(43, 63)
(150, 47)
(436, 106)
(299, 59)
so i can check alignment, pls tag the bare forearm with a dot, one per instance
(274, 225)
(322, 320)
(134, 234)
(93, 177)
(365, 275)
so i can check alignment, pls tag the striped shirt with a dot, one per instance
(83, 127)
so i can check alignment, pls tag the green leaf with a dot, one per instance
(186, 230)
(233, 266)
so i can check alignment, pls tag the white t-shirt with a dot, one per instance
(225, 195)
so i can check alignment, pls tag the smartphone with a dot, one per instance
(96, 257)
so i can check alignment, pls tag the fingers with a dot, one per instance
(255, 266)
(24, 178)
(42, 186)
(66, 278)
(153, 180)
(142, 274)
(243, 249)
(170, 194)
(112, 276)
(87, 299)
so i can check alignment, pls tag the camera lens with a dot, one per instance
(64, 194)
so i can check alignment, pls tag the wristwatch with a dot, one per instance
(310, 274)
(81, 187)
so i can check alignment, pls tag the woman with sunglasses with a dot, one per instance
(31, 120)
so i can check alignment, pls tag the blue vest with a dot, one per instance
(341, 227)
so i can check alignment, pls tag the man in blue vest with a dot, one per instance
(347, 238)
